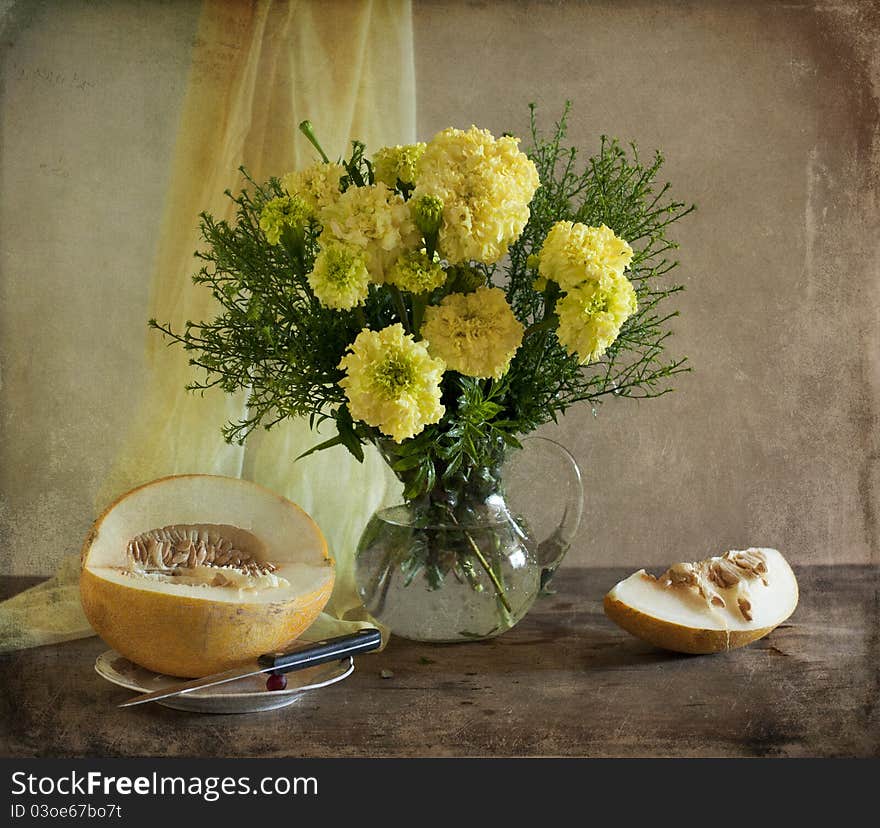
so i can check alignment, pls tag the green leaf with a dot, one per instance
(430, 475)
(353, 444)
(445, 452)
(408, 448)
(347, 435)
(452, 467)
(406, 463)
(510, 440)
(333, 441)
(416, 485)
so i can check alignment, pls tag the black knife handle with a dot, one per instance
(319, 652)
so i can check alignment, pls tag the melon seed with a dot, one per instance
(186, 547)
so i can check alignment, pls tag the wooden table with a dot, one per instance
(565, 682)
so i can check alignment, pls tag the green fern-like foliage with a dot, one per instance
(273, 338)
(613, 187)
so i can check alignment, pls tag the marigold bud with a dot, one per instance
(427, 214)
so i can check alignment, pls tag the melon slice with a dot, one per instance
(710, 606)
(194, 574)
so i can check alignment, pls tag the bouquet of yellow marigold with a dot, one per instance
(440, 300)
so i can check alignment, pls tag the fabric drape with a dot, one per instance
(258, 69)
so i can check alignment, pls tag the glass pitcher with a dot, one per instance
(471, 565)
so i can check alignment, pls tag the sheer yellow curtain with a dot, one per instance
(258, 69)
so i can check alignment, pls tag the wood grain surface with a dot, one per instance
(565, 682)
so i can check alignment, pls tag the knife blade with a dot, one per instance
(304, 655)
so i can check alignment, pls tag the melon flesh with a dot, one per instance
(198, 617)
(287, 583)
(709, 606)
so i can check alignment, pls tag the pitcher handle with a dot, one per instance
(551, 529)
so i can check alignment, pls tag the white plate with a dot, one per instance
(247, 695)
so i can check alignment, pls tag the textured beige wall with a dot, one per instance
(88, 112)
(768, 116)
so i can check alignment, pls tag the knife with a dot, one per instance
(304, 655)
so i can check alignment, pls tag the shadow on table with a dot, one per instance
(541, 646)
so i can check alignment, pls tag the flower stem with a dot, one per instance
(544, 325)
(419, 303)
(400, 306)
(493, 577)
(431, 244)
(293, 239)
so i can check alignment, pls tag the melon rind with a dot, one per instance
(675, 637)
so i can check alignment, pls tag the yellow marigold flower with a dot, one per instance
(475, 333)
(392, 383)
(590, 316)
(485, 185)
(340, 279)
(393, 164)
(281, 212)
(374, 219)
(573, 253)
(317, 186)
(416, 273)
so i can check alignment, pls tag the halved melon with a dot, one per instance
(710, 606)
(194, 574)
